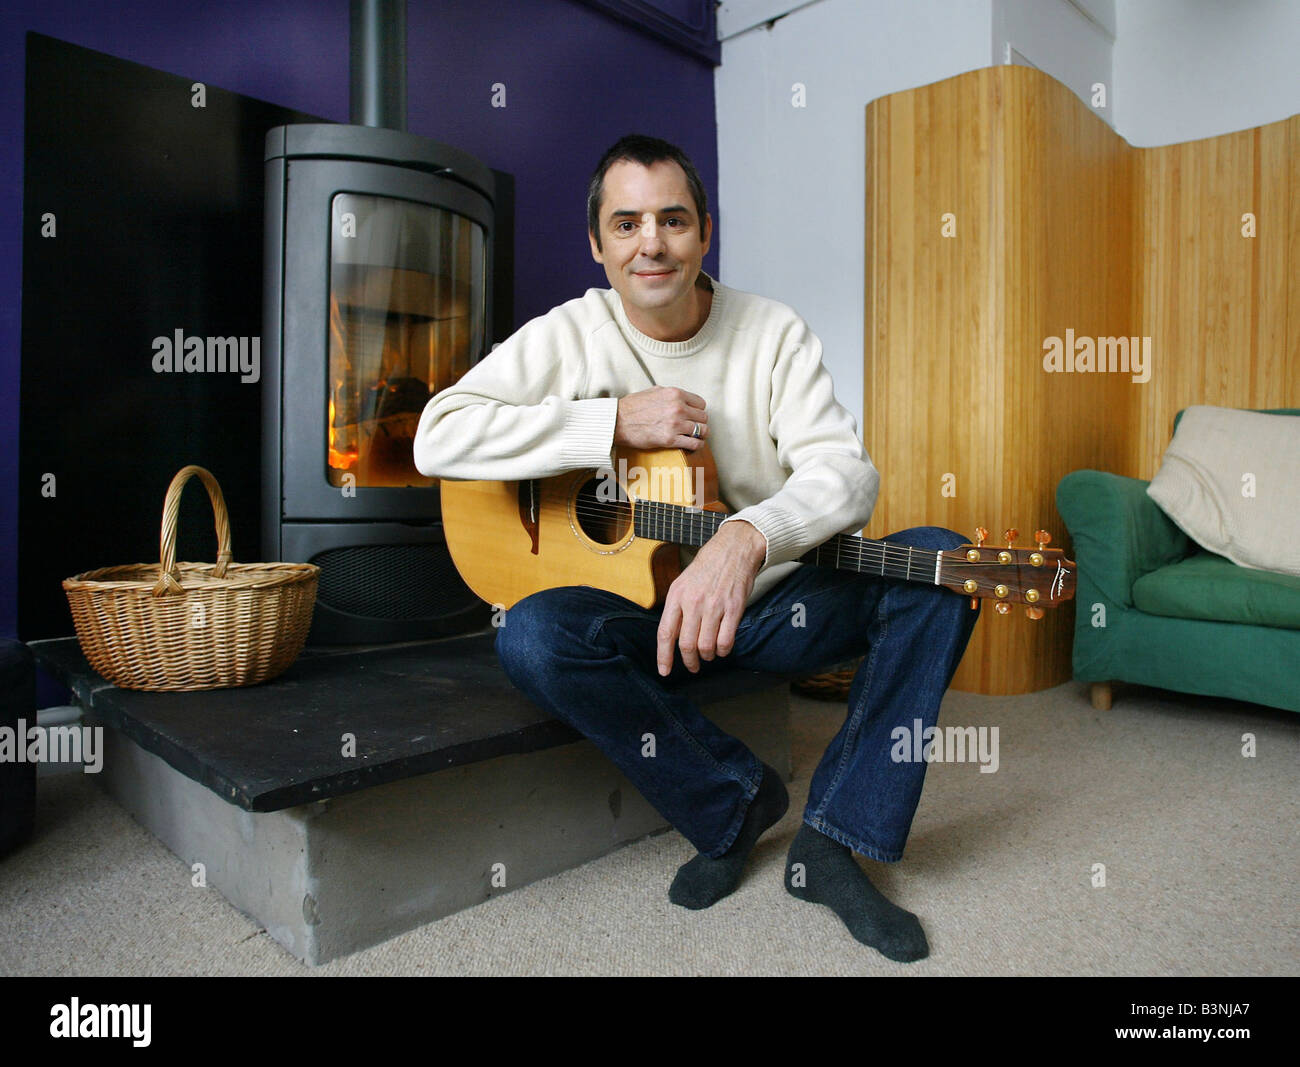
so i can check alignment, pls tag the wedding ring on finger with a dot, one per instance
(696, 432)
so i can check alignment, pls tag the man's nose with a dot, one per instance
(649, 232)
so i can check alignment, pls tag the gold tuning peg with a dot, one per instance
(1011, 536)
(1001, 607)
(1034, 612)
(1042, 538)
(981, 535)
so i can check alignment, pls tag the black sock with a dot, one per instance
(703, 881)
(829, 875)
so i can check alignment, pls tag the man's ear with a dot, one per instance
(708, 233)
(595, 248)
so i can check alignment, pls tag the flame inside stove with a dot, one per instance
(341, 461)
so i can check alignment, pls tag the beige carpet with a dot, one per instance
(1199, 845)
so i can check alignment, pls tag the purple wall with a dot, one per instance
(575, 80)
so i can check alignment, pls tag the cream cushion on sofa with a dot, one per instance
(1230, 480)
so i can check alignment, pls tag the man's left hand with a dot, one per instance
(705, 604)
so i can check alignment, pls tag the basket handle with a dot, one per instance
(168, 583)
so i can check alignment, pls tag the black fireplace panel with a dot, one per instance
(159, 208)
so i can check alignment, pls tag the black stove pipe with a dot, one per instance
(377, 58)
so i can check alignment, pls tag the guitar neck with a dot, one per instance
(679, 525)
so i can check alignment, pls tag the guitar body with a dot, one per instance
(512, 539)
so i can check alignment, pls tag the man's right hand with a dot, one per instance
(662, 417)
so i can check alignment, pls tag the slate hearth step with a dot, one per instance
(412, 708)
(331, 852)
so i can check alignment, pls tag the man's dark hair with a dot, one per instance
(638, 148)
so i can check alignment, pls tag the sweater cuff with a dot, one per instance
(588, 436)
(782, 530)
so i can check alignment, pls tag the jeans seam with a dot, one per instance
(599, 622)
(875, 852)
(855, 716)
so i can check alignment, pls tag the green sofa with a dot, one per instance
(1154, 608)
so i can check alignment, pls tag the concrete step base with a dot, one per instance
(338, 875)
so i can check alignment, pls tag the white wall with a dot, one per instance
(792, 179)
(1187, 69)
(1072, 40)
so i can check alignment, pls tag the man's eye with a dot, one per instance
(675, 222)
(625, 227)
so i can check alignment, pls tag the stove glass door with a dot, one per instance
(407, 301)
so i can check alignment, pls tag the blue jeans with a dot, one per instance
(588, 657)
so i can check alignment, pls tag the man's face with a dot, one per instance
(652, 242)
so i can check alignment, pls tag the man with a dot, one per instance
(668, 357)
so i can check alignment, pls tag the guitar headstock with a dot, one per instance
(1036, 577)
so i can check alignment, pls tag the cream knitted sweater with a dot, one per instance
(545, 401)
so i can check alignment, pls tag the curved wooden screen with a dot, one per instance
(1002, 213)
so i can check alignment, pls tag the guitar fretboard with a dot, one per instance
(680, 525)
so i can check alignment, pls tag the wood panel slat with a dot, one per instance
(1215, 303)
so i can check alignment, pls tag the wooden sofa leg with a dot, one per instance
(1100, 695)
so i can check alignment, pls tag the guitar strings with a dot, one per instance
(866, 554)
(671, 523)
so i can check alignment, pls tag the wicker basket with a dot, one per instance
(183, 626)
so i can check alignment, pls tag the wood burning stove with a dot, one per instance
(382, 249)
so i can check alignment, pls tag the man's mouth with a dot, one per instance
(652, 273)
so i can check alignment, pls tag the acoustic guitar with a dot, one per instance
(618, 529)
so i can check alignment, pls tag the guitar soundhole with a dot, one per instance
(603, 510)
